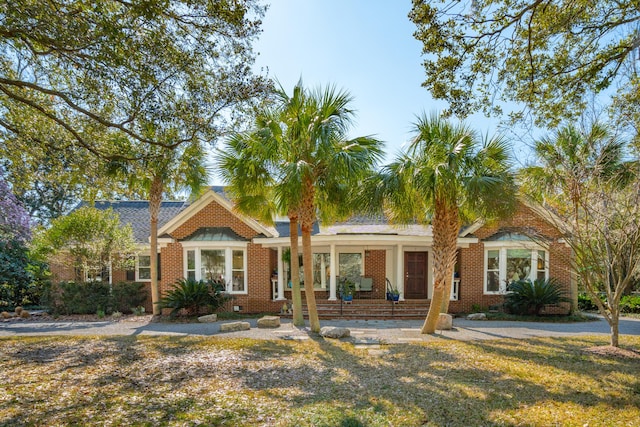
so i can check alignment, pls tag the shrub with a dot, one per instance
(527, 297)
(93, 297)
(127, 295)
(585, 303)
(630, 304)
(193, 296)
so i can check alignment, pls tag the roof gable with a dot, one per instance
(214, 194)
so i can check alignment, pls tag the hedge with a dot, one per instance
(91, 297)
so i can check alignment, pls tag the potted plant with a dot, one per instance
(347, 288)
(393, 294)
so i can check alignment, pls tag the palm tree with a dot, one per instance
(160, 171)
(445, 177)
(586, 180)
(299, 158)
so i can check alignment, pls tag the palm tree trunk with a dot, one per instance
(445, 233)
(307, 262)
(451, 231)
(155, 199)
(296, 297)
(307, 217)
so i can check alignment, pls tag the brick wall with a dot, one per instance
(472, 260)
(260, 260)
(375, 267)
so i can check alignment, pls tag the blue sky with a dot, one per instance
(365, 47)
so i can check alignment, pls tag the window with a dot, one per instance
(321, 263)
(350, 265)
(506, 265)
(212, 265)
(237, 284)
(493, 271)
(227, 265)
(143, 268)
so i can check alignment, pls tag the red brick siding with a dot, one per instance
(260, 260)
(60, 272)
(472, 260)
(375, 267)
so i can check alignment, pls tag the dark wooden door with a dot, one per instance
(415, 275)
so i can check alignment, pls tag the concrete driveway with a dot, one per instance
(380, 331)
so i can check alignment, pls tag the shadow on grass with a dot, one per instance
(173, 380)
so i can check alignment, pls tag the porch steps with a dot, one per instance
(371, 309)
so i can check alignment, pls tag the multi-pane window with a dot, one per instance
(506, 265)
(143, 272)
(493, 271)
(224, 265)
(237, 284)
(191, 265)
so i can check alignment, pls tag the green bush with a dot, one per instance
(585, 303)
(128, 295)
(527, 297)
(630, 304)
(193, 296)
(93, 297)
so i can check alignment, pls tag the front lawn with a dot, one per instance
(239, 382)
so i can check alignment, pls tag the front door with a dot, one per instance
(415, 275)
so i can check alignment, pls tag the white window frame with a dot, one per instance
(138, 279)
(502, 247)
(228, 247)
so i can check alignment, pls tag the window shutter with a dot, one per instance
(159, 268)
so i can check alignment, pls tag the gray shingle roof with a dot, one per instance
(136, 213)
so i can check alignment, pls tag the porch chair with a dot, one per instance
(366, 286)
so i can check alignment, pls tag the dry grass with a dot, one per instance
(212, 381)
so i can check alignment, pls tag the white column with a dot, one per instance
(323, 270)
(280, 275)
(400, 271)
(333, 270)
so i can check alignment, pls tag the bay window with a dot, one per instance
(225, 265)
(506, 264)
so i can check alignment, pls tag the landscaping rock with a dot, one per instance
(477, 316)
(445, 322)
(269, 322)
(334, 332)
(235, 326)
(209, 318)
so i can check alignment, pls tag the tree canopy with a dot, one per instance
(93, 238)
(546, 54)
(446, 175)
(589, 185)
(106, 72)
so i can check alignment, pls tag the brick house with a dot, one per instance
(208, 239)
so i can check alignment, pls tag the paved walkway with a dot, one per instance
(362, 331)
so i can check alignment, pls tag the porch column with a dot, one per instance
(332, 275)
(323, 269)
(280, 275)
(400, 271)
